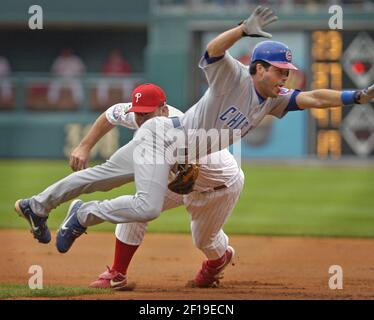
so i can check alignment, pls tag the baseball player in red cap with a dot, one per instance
(214, 195)
(237, 100)
(217, 190)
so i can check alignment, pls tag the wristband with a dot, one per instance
(349, 97)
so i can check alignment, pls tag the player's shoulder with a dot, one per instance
(119, 109)
(284, 91)
(283, 95)
(155, 122)
(123, 105)
(174, 112)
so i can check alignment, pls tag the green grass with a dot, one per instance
(277, 200)
(19, 291)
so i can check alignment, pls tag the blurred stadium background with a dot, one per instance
(46, 105)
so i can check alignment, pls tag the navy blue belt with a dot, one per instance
(176, 122)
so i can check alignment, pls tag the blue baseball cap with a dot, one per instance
(275, 53)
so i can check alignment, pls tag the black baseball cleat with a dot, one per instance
(70, 229)
(38, 225)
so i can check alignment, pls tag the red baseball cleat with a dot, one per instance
(208, 276)
(110, 279)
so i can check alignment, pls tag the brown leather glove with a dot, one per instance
(185, 177)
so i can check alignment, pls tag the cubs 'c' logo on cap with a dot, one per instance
(138, 95)
(288, 55)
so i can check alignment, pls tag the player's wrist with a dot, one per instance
(349, 97)
(357, 96)
(241, 25)
(86, 145)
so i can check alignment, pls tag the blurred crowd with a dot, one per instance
(262, 2)
(5, 84)
(286, 4)
(66, 74)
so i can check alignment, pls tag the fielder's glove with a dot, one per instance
(185, 177)
(365, 96)
(261, 17)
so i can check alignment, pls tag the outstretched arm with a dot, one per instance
(224, 41)
(252, 27)
(326, 98)
(321, 98)
(81, 154)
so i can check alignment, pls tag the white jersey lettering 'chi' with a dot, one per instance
(231, 102)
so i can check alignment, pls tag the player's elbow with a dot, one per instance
(319, 99)
(317, 103)
(210, 48)
(213, 49)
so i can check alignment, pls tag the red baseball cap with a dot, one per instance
(147, 98)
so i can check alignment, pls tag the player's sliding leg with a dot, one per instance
(129, 236)
(116, 276)
(209, 213)
(151, 185)
(113, 173)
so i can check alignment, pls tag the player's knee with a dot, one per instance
(149, 214)
(200, 243)
(148, 211)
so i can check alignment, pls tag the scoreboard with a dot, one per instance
(342, 60)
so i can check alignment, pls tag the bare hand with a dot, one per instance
(79, 158)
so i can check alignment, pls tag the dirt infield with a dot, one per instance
(266, 267)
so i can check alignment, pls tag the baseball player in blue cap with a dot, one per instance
(238, 98)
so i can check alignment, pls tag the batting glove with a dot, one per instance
(366, 95)
(261, 17)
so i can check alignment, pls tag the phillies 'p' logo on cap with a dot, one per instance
(147, 98)
(138, 95)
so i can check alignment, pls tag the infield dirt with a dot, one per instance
(265, 267)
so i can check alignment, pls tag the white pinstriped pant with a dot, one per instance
(208, 211)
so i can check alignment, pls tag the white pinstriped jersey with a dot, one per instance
(221, 167)
(118, 115)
